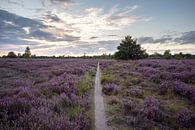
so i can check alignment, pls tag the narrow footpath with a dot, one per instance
(100, 120)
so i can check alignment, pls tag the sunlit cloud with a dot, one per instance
(174, 47)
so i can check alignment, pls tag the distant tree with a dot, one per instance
(129, 49)
(11, 55)
(33, 56)
(167, 54)
(188, 56)
(4, 56)
(27, 53)
(156, 55)
(178, 56)
(19, 55)
(183, 56)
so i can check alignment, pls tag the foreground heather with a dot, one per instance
(46, 93)
(150, 94)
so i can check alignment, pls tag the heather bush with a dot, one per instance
(114, 100)
(110, 89)
(11, 109)
(184, 90)
(151, 109)
(185, 117)
(135, 92)
(129, 106)
(164, 86)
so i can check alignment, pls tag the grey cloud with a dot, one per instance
(12, 28)
(112, 35)
(67, 1)
(41, 46)
(51, 17)
(162, 40)
(11, 2)
(53, 1)
(143, 40)
(186, 38)
(89, 48)
(110, 45)
(93, 37)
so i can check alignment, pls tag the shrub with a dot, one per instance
(185, 117)
(85, 84)
(151, 109)
(105, 79)
(184, 90)
(135, 92)
(163, 87)
(129, 106)
(11, 55)
(110, 89)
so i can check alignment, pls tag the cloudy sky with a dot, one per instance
(75, 27)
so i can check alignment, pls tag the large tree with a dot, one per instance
(27, 53)
(129, 49)
(167, 54)
(11, 55)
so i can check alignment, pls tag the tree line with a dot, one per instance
(127, 50)
(27, 54)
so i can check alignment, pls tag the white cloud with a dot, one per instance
(174, 47)
(95, 21)
(128, 10)
(27, 29)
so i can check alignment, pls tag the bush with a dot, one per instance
(151, 109)
(185, 117)
(110, 89)
(11, 55)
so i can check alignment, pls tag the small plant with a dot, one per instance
(110, 89)
(85, 84)
(185, 117)
(135, 92)
(105, 79)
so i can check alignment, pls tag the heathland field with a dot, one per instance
(59, 94)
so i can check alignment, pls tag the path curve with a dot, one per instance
(100, 120)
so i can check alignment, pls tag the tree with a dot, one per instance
(129, 49)
(11, 55)
(19, 55)
(27, 53)
(156, 55)
(167, 54)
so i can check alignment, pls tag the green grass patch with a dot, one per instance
(116, 120)
(113, 109)
(73, 111)
(105, 78)
(49, 93)
(126, 129)
(85, 84)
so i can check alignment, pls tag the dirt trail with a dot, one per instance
(100, 120)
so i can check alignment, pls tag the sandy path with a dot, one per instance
(100, 120)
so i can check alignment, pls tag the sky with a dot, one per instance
(95, 27)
